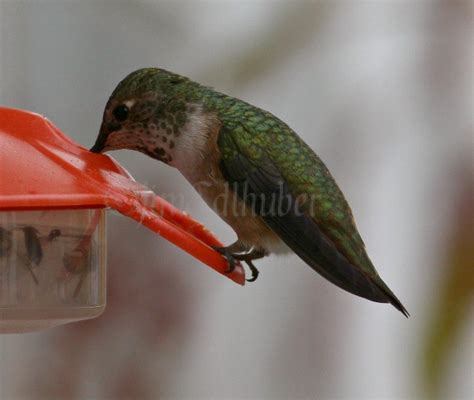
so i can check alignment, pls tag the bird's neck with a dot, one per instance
(195, 148)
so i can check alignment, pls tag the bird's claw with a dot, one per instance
(231, 261)
(228, 256)
(254, 272)
(233, 257)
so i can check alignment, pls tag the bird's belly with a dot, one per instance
(249, 227)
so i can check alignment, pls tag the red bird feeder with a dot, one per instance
(54, 195)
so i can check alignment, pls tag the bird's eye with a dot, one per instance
(121, 112)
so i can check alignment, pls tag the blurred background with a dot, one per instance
(382, 90)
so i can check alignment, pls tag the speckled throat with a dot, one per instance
(155, 132)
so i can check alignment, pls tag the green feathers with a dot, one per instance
(262, 156)
(261, 138)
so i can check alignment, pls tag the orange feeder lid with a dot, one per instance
(42, 168)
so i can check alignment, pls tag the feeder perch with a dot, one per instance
(54, 197)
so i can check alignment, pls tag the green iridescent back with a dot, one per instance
(262, 137)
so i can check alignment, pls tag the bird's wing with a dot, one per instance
(285, 183)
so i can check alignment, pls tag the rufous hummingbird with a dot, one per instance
(251, 168)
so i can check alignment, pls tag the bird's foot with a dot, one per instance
(254, 270)
(232, 257)
(228, 255)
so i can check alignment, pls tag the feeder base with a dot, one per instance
(23, 320)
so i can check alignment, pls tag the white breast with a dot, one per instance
(192, 146)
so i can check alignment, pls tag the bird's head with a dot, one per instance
(144, 113)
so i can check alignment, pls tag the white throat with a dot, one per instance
(193, 144)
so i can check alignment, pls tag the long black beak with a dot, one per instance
(101, 140)
(97, 148)
(104, 132)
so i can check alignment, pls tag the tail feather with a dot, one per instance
(343, 274)
(305, 238)
(391, 298)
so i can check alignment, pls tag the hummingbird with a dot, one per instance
(251, 168)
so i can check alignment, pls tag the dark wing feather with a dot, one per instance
(272, 198)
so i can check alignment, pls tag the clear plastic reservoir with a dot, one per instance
(52, 268)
